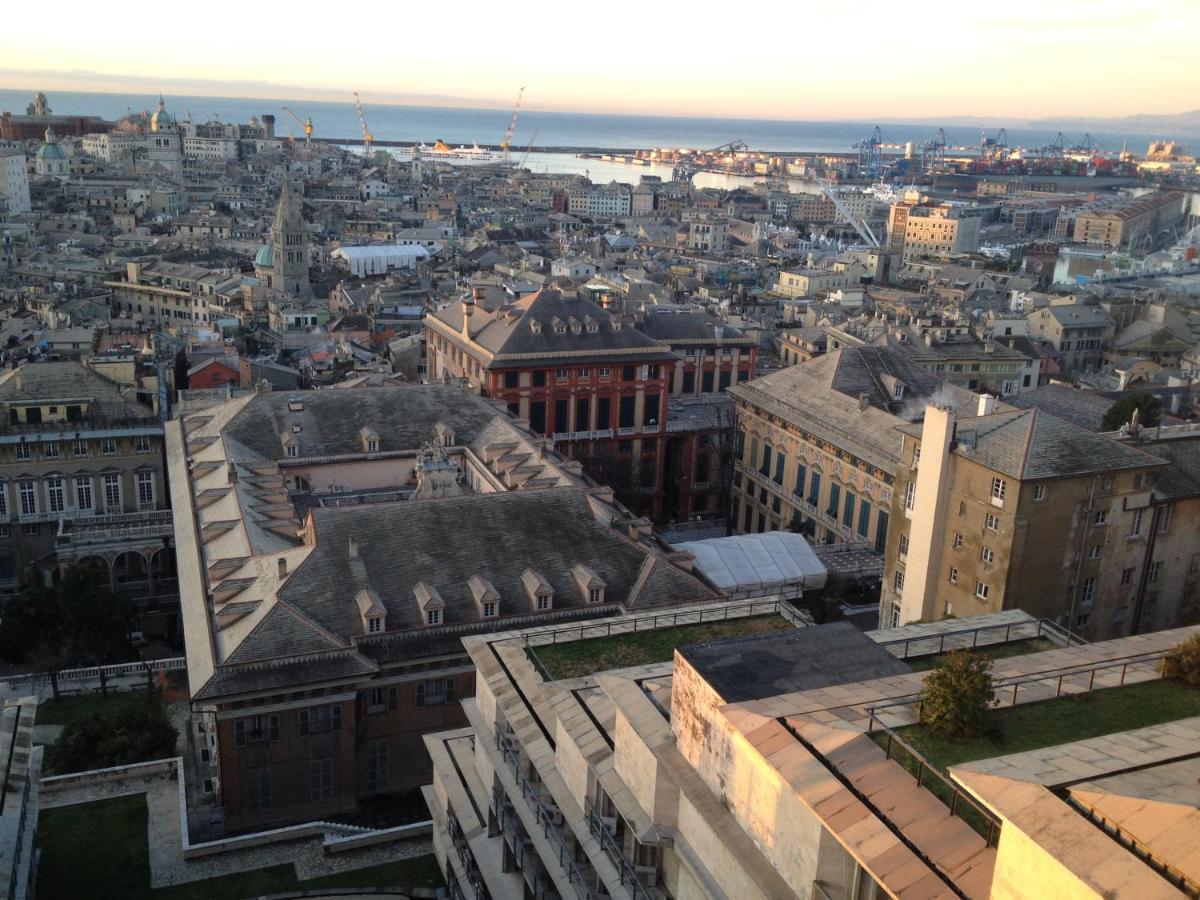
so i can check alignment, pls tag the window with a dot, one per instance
(1088, 594)
(56, 493)
(543, 602)
(958, 540)
(583, 373)
(1095, 551)
(257, 789)
(999, 488)
(1164, 517)
(981, 590)
(377, 765)
(374, 624)
(953, 575)
(145, 489)
(835, 498)
(1127, 575)
(604, 372)
(79, 448)
(539, 378)
(112, 492)
(108, 446)
(321, 779)
(436, 692)
(962, 508)
(50, 451)
(433, 617)
(780, 463)
(512, 379)
(1135, 527)
(321, 719)
(31, 529)
(992, 522)
(898, 582)
(910, 495)
(916, 461)
(1039, 493)
(22, 451)
(372, 446)
(595, 595)
(629, 373)
(1155, 569)
(141, 444)
(255, 730)
(489, 609)
(562, 374)
(1101, 518)
(292, 451)
(987, 555)
(3, 500)
(904, 545)
(27, 491)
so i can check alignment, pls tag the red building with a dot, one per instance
(214, 373)
(595, 383)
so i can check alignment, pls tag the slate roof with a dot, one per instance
(1083, 408)
(508, 332)
(1181, 478)
(669, 327)
(331, 422)
(444, 542)
(750, 668)
(1077, 315)
(1030, 444)
(70, 380)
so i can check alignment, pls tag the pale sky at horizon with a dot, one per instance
(857, 59)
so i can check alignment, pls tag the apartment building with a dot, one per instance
(1023, 510)
(953, 353)
(811, 282)
(687, 779)
(1078, 333)
(14, 181)
(708, 235)
(1137, 220)
(932, 229)
(336, 546)
(82, 482)
(818, 446)
(612, 200)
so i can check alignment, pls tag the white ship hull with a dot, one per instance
(455, 155)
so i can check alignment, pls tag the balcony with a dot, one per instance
(636, 878)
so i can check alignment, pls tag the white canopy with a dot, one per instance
(757, 565)
(376, 259)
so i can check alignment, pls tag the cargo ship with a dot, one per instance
(443, 152)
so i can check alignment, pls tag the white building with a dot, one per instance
(379, 259)
(14, 181)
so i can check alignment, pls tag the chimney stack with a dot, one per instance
(864, 400)
(986, 405)
(354, 548)
(282, 567)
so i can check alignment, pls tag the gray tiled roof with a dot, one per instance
(668, 327)
(284, 674)
(1031, 444)
(1083, 408)
(509, 331)
(331, 421)
(61, 380)
(496, 536)
(282, 632)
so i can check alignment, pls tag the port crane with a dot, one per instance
(993, 149)
(512, 124)
(687, 167)
(368, 138)
(306, 123)
(859, 223)
(525, 155)
(933, 152)
(870, 154)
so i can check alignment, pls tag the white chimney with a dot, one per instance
(986, 405)
(354, 548)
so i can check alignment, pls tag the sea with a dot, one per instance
(558, 130)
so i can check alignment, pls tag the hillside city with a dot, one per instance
(399, 520)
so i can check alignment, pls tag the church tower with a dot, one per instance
(289, 243)
(164, 142)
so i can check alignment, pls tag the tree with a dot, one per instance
(1149, 411)
(957, 695)
(137, 730)
(1182, 663)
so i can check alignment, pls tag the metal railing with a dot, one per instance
(459, 840)
(546, 818)
(90, 672)
(651, 621)
(614, 851)
(1044, 627)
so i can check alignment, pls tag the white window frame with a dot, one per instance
(433, 617)
(28, 499)
(141, 444)
(145, 498)
(954, 575)
(108, 446)
(79, 448)
(981, 590)
(1039, 493)
(999, 489)
(992, 522)
(56, 494)
(50, 450)
(84, 482)
(109, 481)
(22, 451)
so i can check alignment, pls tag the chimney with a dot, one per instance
(282, 563)
(354, 548)
(986, 405)
(864, 400)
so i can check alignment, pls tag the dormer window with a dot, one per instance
(898, 392)
(487, 598)
(535, 326)
(370, 607)
(445, 435)
(375, 624)
(591, 585)
(560, 327)
(591, 324)
(429, 601)
(538, 590)
(370, 440)
(292, 451)
(295, 404)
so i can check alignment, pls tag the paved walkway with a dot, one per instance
(167, 865)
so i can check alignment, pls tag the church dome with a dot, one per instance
(161, 118)
(265, 258)
(50, 150)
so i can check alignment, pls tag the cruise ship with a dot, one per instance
(445, 153)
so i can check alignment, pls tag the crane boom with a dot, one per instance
(368, 139)
(686, 168)
(512, 123)
(860, 224)
(306, 124)
(525, 155)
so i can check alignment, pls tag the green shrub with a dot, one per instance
(957, 695)
(137, 731)
(1182, 663)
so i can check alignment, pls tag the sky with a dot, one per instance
(851, 59)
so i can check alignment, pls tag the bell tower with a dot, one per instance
(289, 241)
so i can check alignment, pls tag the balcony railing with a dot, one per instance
(550, 820)
(612, 848)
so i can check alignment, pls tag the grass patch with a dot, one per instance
(995, 651)
(68, 709)
(574, 659)
(1030, 726)
(99, 851)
